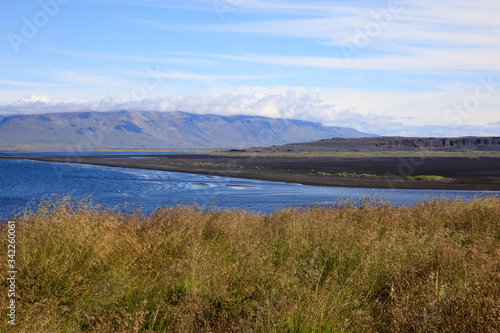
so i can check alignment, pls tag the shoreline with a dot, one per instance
(462, 173)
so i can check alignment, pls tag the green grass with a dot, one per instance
(204, 164)
(353, 174)
(427, 178)
(430, 267)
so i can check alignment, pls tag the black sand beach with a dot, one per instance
(461, 173)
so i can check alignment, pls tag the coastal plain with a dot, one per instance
(458, 173)
(468, 163)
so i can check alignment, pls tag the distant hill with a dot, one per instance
(138, 129)
(387, 144)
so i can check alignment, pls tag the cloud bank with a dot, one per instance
(291, 104)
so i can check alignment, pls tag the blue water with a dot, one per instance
(108, 154)
(22, 181)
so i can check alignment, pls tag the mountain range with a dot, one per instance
(148, 129)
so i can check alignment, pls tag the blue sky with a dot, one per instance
(393, 67)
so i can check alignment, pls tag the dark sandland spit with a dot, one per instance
(466, 173)
(469, 163)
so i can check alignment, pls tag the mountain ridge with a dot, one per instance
(153, 129)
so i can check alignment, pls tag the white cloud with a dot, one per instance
(420, 60)
(34, 99)
(408, 23)
(193, 76)
(26, 84)
(279, 102)
(423, 35)
(239, 6)
(168, 58)
(293, 104)
(71, 76)
(441, 131)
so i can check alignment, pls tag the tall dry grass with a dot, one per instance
(431, 267)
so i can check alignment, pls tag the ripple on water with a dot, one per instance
(200, 185)
(242, 187)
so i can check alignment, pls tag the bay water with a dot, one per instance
(24, 181)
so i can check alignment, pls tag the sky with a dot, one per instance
(397, 67)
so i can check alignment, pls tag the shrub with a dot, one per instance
(427, 178)
(353, 174)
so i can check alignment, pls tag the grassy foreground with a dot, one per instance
(430, 267)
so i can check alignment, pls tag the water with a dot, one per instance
(24, 180)
(104, 153)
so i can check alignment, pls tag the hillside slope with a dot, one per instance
(138, 129)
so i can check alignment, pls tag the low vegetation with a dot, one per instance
(353, 174)
(427, 178)
(206, 164)
(344, 174)
(372, 267)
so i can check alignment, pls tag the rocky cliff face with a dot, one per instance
(390, 144)
(135, 129)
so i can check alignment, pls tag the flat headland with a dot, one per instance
(458, 173)
(387, 162)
